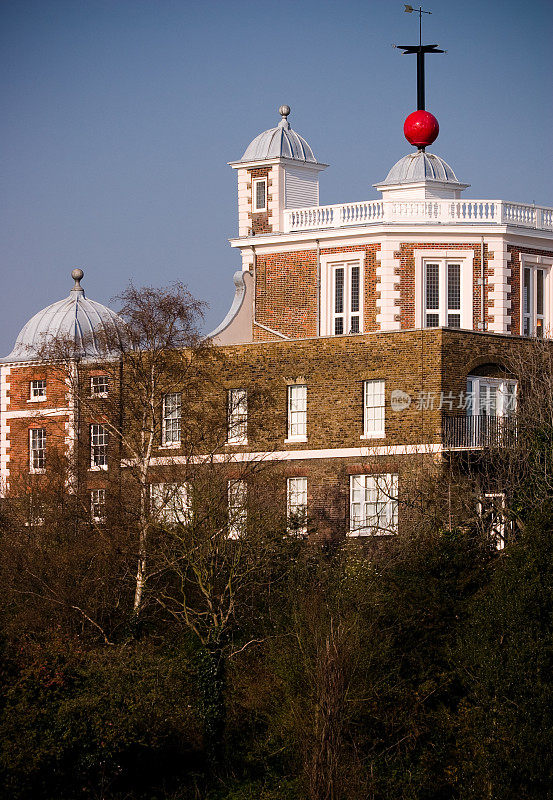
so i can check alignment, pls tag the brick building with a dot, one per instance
(382, 331)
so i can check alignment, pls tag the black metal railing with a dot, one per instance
(478, 431)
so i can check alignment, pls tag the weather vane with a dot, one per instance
(417, 121)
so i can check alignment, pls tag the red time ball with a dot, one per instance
(421, 128)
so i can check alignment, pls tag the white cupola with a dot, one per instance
(277, 171)
(421, 176)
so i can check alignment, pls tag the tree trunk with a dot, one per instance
(211, 671)
(142, 551)
(328, 722)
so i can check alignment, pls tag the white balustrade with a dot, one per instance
(495, 212)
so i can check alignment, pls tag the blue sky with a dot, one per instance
(119, 117)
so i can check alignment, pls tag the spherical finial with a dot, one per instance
(284, 111)
(421, 128)
(77, 275)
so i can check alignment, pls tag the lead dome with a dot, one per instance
(95, 330)
(420, 166)
(279, 142)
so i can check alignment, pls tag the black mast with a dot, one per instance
(420, 50)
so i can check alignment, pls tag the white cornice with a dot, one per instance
(369, 233)
(368, 451)
(286, 162)
(432, 182)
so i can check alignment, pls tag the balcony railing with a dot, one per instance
(478, 432)
(450, 212)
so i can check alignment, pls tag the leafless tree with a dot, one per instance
(157, 353)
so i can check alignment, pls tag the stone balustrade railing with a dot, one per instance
(497, 212)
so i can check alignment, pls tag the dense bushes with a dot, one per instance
(421, 671)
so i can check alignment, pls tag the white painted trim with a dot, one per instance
(534, 261)
(264, 162)
(466, 259)
(300, 455)
(255, 181)
(5, 371)
(328, 261)
(292, 243)
(37, 414)
(387, 285)
(407, 233)
(499, 311)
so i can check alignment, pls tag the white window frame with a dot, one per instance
(171, 502)
(444, 257)
(534, 263)
(98, 505)
(495, 501)
(255, 182)
(37, 450)
(237, 416)
(374, 409)
(296, 505)
(99, 439)
(478, 396)
(171, 410)
(329, 264)
(380, 492)
(95, 385)
(296, 412)
(37, 390)
(237, 494)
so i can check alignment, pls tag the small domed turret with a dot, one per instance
(95, 330)
(277, 171)
(279, 142)
(421, 175)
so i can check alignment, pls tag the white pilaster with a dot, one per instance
(498, 287)
(4, 429)
(244, 203)
(276, 192)
(387, 285)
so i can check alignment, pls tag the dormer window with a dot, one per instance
(259, 194)
(38, 390)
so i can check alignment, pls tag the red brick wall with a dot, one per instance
(19, 392)
(286, 291)
(261, 221)
(406, 272)
(286, 287)
(19, 396)
(37, 416)
(19, 447)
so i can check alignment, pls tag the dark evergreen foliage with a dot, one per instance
(424, 671)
